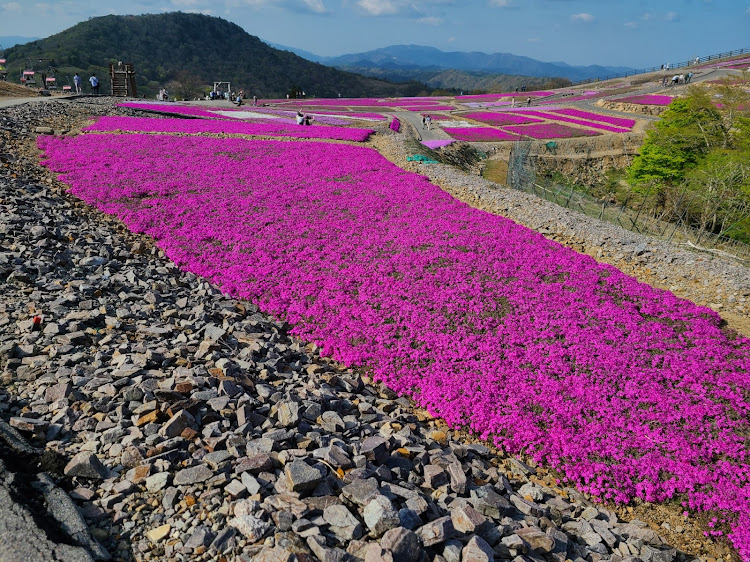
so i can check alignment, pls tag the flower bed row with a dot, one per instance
(193, 126)
(621, 122)
(550, 131)
(648, 99)
(167, 107)
(479, 134)
(624, 388)
(496, 118)
(585, 123)
(440, 143)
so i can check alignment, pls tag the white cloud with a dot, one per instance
(315, 6)
(501, 3)
(631, 25)
(670, 16)
(378, 7)
(11, 7)
(582, 17)
(430, 20)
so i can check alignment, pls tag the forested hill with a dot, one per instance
(190, 49)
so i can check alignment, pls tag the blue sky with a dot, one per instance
(633, 33)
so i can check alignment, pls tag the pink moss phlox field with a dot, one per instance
(193, 126)
(166, 107)
(626, 389)
(497, 118)
(550, 131)
(395, 125)
(433, 144)
(621, 122)
(648, 99)
(495, 97)
(479, 134)
(585, 123)
(430, 108)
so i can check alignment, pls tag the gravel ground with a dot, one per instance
(190, 426)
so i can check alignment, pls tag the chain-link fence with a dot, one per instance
(644, 212)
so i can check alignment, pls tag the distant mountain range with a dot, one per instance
(7, 41)
(417, 58)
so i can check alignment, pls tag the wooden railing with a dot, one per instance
(672, 66)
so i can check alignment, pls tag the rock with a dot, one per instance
(466, 519)
(403, 543)
(251, 483)
(375, 449)
(159, 533)
(158, 481)
(86, 465)
(252, 528)
(434, 476)
(436, 531)
(343, 524)
(537, 539)
(380, 515)
(288, 413)
(202, 536)
(477, 550)
(192, 475)
(361, 491)
(302, 477)
(177, 424)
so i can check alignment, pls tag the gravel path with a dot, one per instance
(190, 426)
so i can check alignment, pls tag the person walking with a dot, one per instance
(424, 121)
(428, 119)
(77, 83)
(528, 102)
(94, 84)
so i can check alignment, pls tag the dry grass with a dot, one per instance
(10, 90)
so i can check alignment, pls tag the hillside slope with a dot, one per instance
(189, 47)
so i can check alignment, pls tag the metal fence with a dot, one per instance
(640, 213)
(672, 66)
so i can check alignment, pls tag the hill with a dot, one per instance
(418, 57)
(188, 52)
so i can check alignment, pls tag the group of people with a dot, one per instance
(426, 122)
(303, 119)
(93, 80)
(677, 79)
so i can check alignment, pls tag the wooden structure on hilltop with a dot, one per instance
(123, 79)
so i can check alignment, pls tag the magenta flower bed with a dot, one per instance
(430, 108)
(624, 388)
(479, 134)
(550, 131)
(648, 99)
(620, 122)
(493, 97)
(589, 124)
(174, 108)
(395, 125)
(193, 126)
(495, 118)
(433, 144)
